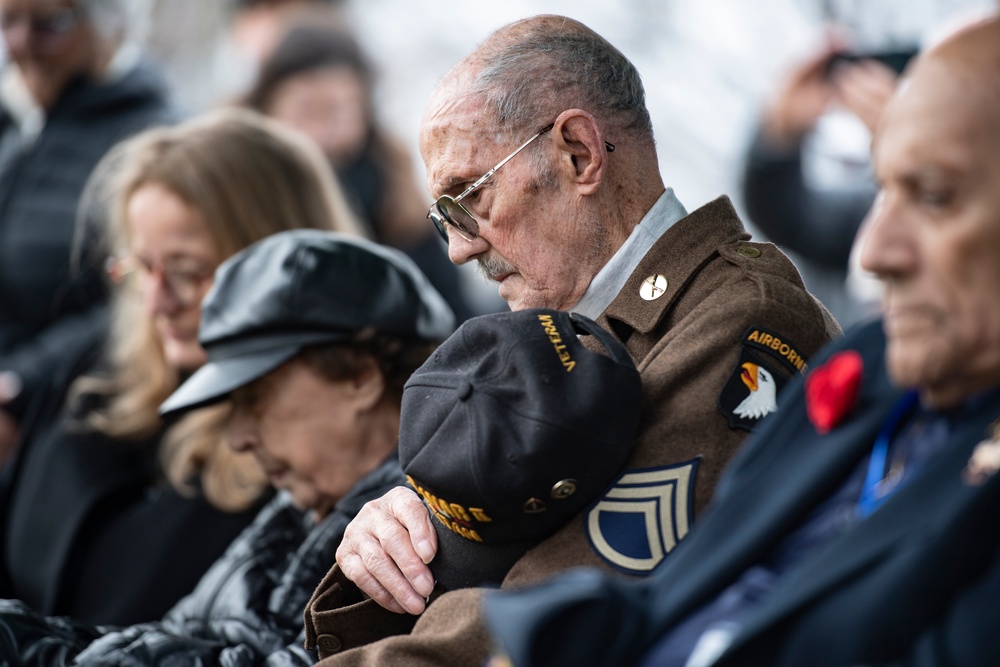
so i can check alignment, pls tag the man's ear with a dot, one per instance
(579, 138)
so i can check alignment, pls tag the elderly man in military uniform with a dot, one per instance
(859, 525)
(540, 152)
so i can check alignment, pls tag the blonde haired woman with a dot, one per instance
(108, 514)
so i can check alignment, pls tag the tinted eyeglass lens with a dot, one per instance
(461, 219)
(447, 211)
(437, 217)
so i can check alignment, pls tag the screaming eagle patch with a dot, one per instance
(642, 517)
(766, 362)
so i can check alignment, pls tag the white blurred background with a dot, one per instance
(707, 64)
(708, 67)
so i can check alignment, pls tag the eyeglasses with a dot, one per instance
(186, 286)
(43, 26)
(449, 211)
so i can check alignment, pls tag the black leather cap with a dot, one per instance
(299, 288)
(511, 428)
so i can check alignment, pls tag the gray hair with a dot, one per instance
(531, 65)
(118, 22)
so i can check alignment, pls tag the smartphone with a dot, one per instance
(894, 60)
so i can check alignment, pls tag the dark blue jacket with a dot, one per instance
(917, 583)
(44, 301)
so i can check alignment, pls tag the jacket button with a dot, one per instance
(329, 643)
(749, 251)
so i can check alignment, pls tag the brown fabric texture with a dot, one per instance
(686, 344)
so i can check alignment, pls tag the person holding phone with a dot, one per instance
(816, 223)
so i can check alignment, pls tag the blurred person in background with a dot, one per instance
(248, 32)
(73, 85)
(108, 513)
(310, 336)
(318, 81)
(257, 26)
(816, 221)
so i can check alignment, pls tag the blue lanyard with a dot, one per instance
(871, 495)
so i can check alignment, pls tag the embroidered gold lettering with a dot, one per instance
(784, 349)
(549, 327)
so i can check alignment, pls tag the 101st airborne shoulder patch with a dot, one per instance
(642, 516)
(766, 363)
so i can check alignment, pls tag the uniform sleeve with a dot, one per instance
(450, 632)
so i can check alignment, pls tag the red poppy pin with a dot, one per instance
(832, 389)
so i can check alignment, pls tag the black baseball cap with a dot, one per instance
(304, 287)
(511, 428)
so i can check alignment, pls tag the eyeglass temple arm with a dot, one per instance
(482, 179)
(504, 161)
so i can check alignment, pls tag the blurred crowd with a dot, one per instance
(255, 410)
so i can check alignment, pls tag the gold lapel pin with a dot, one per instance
(653, 287)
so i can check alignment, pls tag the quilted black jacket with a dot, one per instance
(246, 610)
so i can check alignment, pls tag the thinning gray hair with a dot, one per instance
(543, 65)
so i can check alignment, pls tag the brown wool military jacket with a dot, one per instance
(702, 314)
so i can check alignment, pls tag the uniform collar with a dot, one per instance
(676, 257)
(612, 277)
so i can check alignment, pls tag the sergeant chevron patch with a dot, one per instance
(642, 517)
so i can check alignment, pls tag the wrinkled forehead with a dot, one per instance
(458, 142)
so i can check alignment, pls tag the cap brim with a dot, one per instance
(463, 563)
(217, 379)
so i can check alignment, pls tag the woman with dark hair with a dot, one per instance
(319, 82)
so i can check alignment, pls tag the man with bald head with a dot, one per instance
(540, 154)
(859, 525)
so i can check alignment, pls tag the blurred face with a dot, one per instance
(536, 240)
(172, 258)
(934, 235)
(329, 105)
(306, 432)
(51, 42)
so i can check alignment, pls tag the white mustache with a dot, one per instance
(491, 268)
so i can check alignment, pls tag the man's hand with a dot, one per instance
(802, 99)
(865, 89)
(386, 549)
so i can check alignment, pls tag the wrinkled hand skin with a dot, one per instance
(386, 549)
